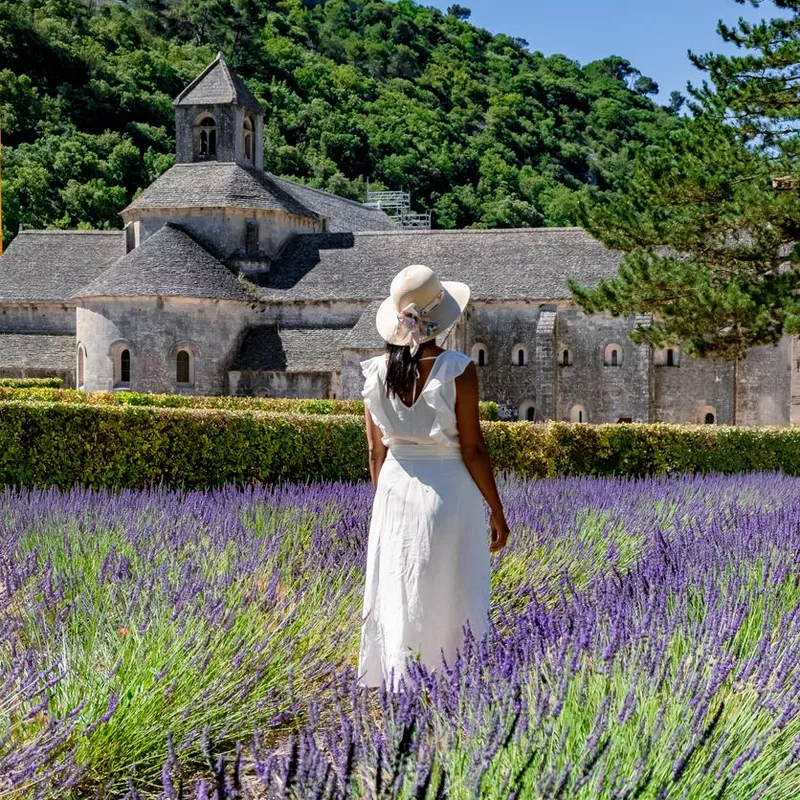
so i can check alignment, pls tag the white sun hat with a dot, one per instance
(420, 307)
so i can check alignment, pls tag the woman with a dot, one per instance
(428, 557)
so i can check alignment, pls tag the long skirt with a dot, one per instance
(428, 564)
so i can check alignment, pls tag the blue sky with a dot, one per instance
(654, 35)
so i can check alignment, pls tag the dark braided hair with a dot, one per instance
(400, 370)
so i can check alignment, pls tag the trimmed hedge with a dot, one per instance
(32, 383)
(43, 391)
(44, 444)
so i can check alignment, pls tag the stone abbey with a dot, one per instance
(228, 279)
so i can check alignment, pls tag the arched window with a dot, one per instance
(612, 357)
(121, 354)
(182, 367)
(578, 414)
(125, 366)
(519, 355)
(566, 358)
(207, 138)
(81, 366)
(248, 138)
(667, 356)
(709, 419)
(480, 354)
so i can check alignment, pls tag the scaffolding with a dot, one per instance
(397, 206)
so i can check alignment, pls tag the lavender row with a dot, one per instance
(645, 643)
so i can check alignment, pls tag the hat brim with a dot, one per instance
(456, 297)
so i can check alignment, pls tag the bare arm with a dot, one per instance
(377, 449)
(475, 454)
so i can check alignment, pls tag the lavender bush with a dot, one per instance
(645, 644)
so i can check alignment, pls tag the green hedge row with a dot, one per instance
(42, 391)
(31, 383)
(44, 444)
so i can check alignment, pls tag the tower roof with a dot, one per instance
(217, 85)
(216, 184)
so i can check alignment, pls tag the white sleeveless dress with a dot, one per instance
(428, 559)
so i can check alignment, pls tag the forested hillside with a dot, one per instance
(482, 129)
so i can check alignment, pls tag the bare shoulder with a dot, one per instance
(468, 375)
(467, 389)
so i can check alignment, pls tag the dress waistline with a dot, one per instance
(426, 451)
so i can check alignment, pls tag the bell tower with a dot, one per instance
(218, 119)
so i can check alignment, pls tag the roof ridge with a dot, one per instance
(73, 231)
(200, 77)
(468, 231)
(226, 72)
(338, 197)
(237, 91)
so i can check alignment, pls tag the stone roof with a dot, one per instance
(48, 266)
(170, 263)
(269, 348)
(217, 184)
(219, 85)
(514, 264)
(343, 215)
(364, 335)
(36, 351)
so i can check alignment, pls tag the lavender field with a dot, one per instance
(645, 644)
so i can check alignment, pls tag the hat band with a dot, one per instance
(414, 320)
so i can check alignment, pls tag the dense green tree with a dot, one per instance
(479, 128)
(710, 245)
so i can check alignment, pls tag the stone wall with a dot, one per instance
(502, 329)
(224, 232)
(55, 318)
(692, 388)
(314, 385)
(154, 330)
(765, 385)
(352, 379)
(643, 385)
(605, 388)
(317, 313)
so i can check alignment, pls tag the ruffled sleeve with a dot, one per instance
(440, 393)
(373, 393)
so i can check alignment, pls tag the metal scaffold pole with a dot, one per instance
(397, 206)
